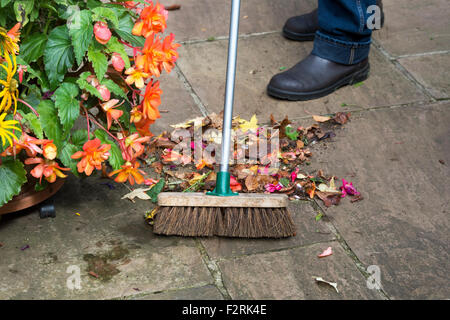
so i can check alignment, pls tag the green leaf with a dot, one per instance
(114, 45)
(84, 85)
(319, 216)
(67, 104)
(65, 156)
(115, 159)
(114, 88)
(32, 122)
(156, 189)
(126, 24)
(284, 182)
(12, 176)
(99, 61)
(81, 32)
(79, 137)
(102, 13)
(58, 55)
(33, 47)
(291, 133)
(4, 3)
(48, 116)
(22, 9)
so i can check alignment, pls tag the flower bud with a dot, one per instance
(104, 92)
(117, 62)
(50, 151)
(102, 32)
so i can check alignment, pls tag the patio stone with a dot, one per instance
(289, 275)
(399, 160)
(415, 26)
(204, 66)
(203, 19)
(309, 231)
(427, 70)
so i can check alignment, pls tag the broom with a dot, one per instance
(223, 212)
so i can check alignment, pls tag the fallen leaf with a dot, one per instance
(156, 189)
(173, 7)
(333, 284)
(328, 252)
(92, 273)
(329, 198)
(189, 123)
(342, 117)
(138, 193)
(157, 166)
(251, 125)
(321, 118)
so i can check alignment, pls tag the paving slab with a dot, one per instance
(176, 103)
(108, 228)
(415, 26)
(203, 19)
(289, 275)
(204, 66)
(427, 70)
(208, 292)
(309, 231)
(399, 160)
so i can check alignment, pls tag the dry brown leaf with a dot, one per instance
(342, 117)
(321, 118)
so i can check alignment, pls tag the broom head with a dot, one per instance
(242, 216)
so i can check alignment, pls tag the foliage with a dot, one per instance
(67, 63)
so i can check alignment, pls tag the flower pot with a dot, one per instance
(29, 197)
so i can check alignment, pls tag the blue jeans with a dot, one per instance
(343, 35)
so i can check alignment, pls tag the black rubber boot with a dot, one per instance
(315, 77)
(303, 28)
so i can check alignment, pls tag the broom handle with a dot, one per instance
(229, 91)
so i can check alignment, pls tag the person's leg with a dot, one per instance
(304, 27)
(339, 57)
(343, 36)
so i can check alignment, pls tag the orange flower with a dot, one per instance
(152, 100)
(133, 145)
(152, 20)
(170, 52)
(136, 114)
(50, 151)
(136, 76)
(27, 143)
(93, 154)
(150, 61)
(111, 112)
(9, 40)
(129, 172)
(143, 127)
(46, 168)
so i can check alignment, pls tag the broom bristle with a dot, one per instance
(225, 222)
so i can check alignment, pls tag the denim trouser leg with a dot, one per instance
(343, 35)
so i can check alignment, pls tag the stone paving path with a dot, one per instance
(396, 150)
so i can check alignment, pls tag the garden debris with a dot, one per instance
(138, 193)
(333, 284)
(327, 252)
(176, 157)
(1, 244)
(78, 214)
(25, 247)
(173, 7)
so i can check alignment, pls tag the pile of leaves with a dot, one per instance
(182, 172)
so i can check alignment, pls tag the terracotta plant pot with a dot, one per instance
(30, 197)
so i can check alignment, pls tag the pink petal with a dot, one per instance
(326, 253)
